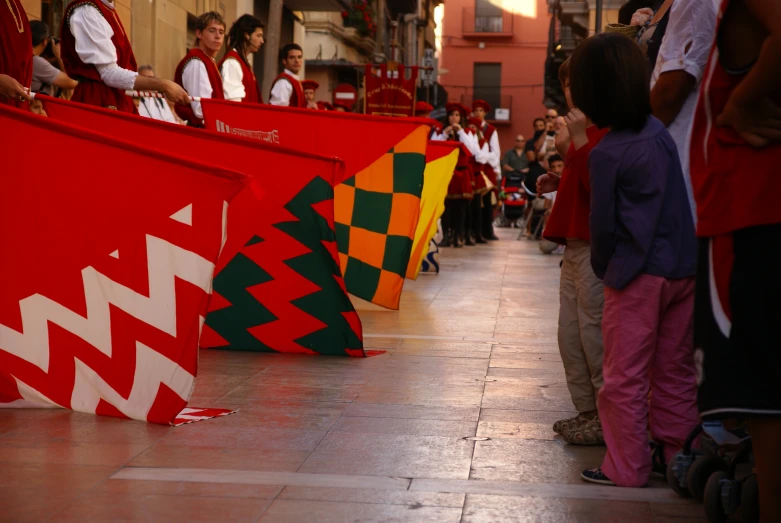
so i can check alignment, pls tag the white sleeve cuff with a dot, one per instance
(116, 77)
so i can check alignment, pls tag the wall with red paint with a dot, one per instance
(522, 56)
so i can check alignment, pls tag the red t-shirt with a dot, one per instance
(735, 185)
(569, 216)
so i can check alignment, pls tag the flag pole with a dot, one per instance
(153, 94)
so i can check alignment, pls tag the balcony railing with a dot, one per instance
(496, 23)
(501, 104)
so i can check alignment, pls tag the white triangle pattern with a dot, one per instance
(115, 254)
(184, 215)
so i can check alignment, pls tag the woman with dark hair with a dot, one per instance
(643, 249)
(460, 191)
(238, 79)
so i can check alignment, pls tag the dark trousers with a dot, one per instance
(477, 217)
(487, 217)
(454, 218)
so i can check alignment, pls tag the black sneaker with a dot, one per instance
(596, 476)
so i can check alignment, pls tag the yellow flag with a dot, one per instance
(441, 159)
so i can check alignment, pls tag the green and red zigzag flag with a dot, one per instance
(377, 200)
(277, 286)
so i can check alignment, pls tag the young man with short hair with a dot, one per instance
(287, 89)
(45, 75)
(198, 72)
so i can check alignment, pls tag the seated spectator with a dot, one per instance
(45, 76)
(514, 160)
(155, 108)
(556, 166)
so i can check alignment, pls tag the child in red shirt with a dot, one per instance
(580, 292)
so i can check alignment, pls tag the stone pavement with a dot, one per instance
(450, 424)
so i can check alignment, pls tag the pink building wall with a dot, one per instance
(522, 56)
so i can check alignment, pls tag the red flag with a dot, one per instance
(278, 286)
(108, 256)
(390, 93)
(358, 139)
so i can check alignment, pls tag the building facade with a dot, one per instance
(496, 50)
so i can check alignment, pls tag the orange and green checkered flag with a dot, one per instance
(376, 214)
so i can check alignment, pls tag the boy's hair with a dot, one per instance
(564, 72)
(146, 67)
(287, 48)
(555, 158)
(609, 82)
(538, 119)
(39, 32)
(203, 20)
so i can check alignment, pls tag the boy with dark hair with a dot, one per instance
(580, 291)
(287, 89)
(198, 72)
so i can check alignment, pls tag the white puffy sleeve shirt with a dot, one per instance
(92, 35)
(233, 80)
(195, 81)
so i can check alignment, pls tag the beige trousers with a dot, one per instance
(582, 299)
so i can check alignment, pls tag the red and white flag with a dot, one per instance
(109, 250)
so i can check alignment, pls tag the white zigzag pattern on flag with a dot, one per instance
(166, 262)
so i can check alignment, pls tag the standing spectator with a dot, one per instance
(155, 108)
(643, 249)
(16, 56)
(45, 76)
(735, 152)
(679, 68)
(581, 294)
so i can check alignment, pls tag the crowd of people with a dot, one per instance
(669, 135)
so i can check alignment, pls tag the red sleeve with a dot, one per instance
(577, 161)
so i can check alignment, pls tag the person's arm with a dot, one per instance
(577, 124)
(494, 151)
(195, 80)
(506, 161)
(62, 80)
(750, 110)
(281, 93)
(602, 220)
(92, 36)
(233, 80)
(682, 56)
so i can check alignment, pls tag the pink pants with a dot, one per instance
(647, 331)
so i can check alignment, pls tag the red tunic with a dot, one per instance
(735, 185)
(488, 131)
(91, 89)
(16, 51)
(297, 96)
(570, 214)
(185, 112)
(460, 186)
(251, 93)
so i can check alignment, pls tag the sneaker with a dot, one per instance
(596, 476)
(565, 425)
(589, 434)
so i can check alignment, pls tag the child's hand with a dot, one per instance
(548, 182)
(577, 123)
(758, 122)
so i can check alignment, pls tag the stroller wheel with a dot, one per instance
(749, 500)
(700, 472)
(714, 507)
(676, 474)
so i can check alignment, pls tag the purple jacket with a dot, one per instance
(641, 221)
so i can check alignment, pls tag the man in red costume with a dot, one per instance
(97, 53)
(480, 108)
(309, 87)
(287, 89)
(197, 72)
(16, 55)
(238, 80)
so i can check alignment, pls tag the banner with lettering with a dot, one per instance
(390, 92)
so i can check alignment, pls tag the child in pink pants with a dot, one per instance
(643, 248)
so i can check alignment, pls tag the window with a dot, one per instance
(487, 82)
(488, 16)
